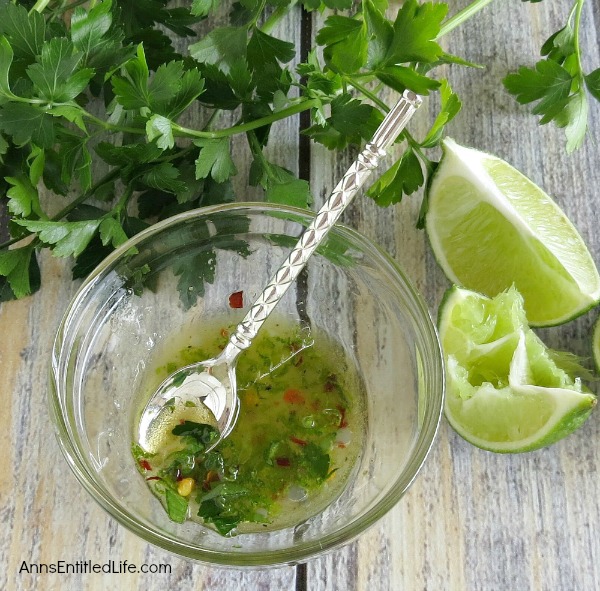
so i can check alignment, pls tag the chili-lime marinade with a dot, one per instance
(292, 450)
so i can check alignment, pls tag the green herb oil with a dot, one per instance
(297, 438)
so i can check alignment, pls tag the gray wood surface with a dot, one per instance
(472, 520)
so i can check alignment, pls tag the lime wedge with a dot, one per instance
(490, 227)
(506, 391)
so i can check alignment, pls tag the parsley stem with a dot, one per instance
(213, 116)
(258, 154)
(111, 126)
(66, 7)
(275, 17)
(370, 95)
(107, 178)
(15, 240)
(578, 11)
(180, 131)
(294, 109)
(462, 15)
(40, 6)
(257, 14)
(122, 203)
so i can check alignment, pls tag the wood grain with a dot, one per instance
(473, 520)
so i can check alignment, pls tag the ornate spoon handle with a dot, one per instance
(315, 233)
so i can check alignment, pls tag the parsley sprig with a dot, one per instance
(557, 84)
(95, 99)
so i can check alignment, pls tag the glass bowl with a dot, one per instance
(179, 273)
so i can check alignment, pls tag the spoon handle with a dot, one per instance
(315, 233)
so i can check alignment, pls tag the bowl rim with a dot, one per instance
(421, 447)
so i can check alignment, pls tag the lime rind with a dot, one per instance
(489, 227)
(527, 401)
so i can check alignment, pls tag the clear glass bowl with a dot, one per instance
(179, 272)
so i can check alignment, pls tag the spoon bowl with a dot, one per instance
(210, 385)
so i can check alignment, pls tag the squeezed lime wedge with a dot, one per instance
(506, 391)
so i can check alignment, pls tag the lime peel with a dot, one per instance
(511, 412)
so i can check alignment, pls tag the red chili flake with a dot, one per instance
(293, 396)
(298, 441)
(331, 383)
(282, 462)
(153, 478)
(299, 361)
(343, 421)
(224, 333)
(211, 476)
(145, 464)
(236, 299)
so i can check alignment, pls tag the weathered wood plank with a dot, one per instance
(472, 520)
(46, 514)
(475, 520)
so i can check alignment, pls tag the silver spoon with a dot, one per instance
(212, 383)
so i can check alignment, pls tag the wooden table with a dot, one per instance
(472, 520)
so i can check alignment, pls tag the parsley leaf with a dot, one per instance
(574, 119)
(346, 46)
(66, 238)
(549, 83)
(165, 177)
(6, 58)
(592, 82)
(380, 33)
(15, 266)
(23, 198)
(350, 122)
(25, 31)
(449, 108)
(201, 432)
(111, 232)
(403, 178)
(415, 29)
(54, 75)
(193, 272)
(222, 47)
(177, 505)
(76, 160)
(24, 123)
(401, 77)
(264, 49)
(168, 92)
(214, 160)
(203, 7)
(293, 192)
(161, 129)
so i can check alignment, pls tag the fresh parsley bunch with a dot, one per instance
(93, 96)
